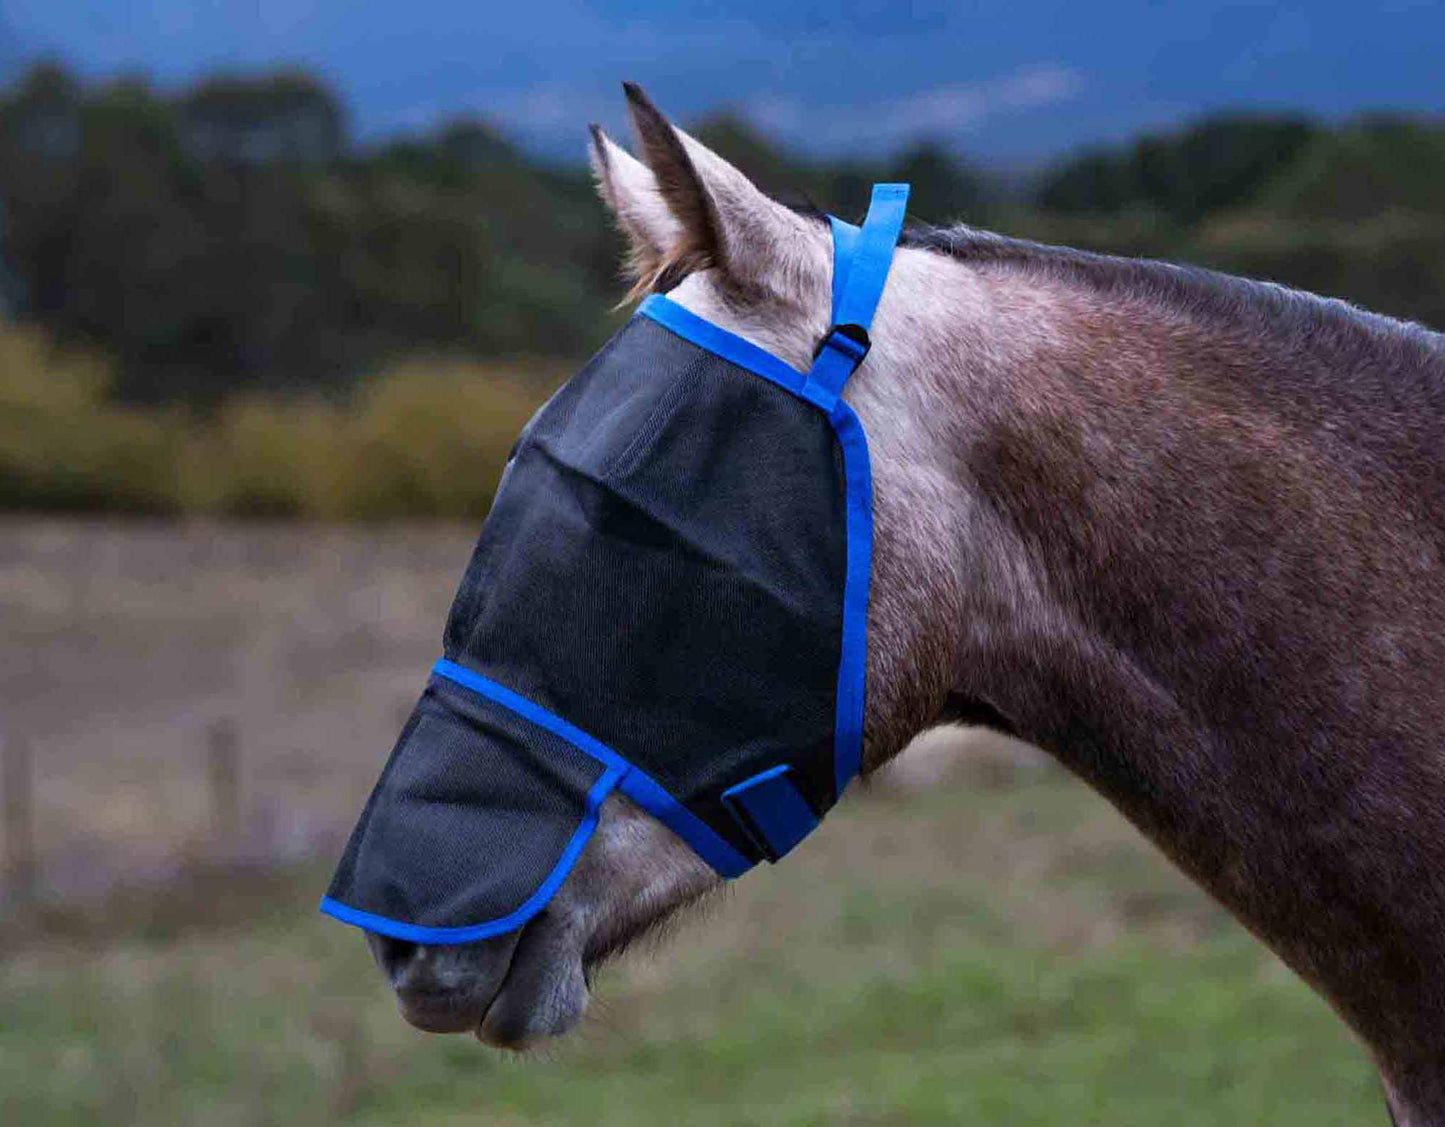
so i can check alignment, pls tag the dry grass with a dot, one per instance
(123, 642)
(987, 942)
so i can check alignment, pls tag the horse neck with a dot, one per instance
(1218, 601)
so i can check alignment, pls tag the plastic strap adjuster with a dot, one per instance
(771, 811)
(836, 358)
(851, 340)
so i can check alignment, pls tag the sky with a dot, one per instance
(1011, 82)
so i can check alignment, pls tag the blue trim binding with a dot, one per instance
(852, 667)
(775, 809)
(514, 919)
(617, 774)
(633, 782)
(861, 261)
(731, 347)
(858, 508)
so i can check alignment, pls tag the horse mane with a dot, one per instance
(1302, 321)
(1269, 309)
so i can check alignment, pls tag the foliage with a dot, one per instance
(1390, 262)
(241, 260)
(228, 239)
(1353, 212)
(1218, 164)
(1378, 166)
(63, 447)
(425, 439)
(943, 188)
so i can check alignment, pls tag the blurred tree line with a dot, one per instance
(1355, 211)
(231, 237)
(214, 248)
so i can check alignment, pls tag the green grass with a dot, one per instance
(1000, 949)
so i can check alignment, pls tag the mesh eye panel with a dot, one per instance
(473, 811)
(664, 569)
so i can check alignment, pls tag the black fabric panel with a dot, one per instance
(664, 568)
(472, 812)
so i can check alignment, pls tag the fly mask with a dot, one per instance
(668, 599)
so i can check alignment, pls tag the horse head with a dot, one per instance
(698, 229)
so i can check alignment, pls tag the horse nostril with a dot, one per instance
(393, 954)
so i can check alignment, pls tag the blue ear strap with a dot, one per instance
(872, 255)
(861, 258)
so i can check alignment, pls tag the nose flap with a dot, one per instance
(478, 817)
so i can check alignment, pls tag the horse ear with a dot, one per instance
(630, 192)
(722, 220)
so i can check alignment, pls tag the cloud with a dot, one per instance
(962, 106)
(543, 107)
(551, 114)
(939, 111)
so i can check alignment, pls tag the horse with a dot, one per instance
(1180, 530)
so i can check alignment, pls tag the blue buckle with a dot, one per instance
(771, 811)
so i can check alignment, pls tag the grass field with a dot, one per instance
(995, 947)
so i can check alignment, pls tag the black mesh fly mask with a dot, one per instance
(668, 599)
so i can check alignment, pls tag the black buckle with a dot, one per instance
(855, 335)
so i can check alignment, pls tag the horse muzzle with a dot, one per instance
(511, 991)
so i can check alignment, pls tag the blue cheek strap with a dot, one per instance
(769, 807)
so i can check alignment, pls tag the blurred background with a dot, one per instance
(279, 282)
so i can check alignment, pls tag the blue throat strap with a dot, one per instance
(861, 258)
(769, 807)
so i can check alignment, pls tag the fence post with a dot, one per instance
(223, 764)
(18, 783)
